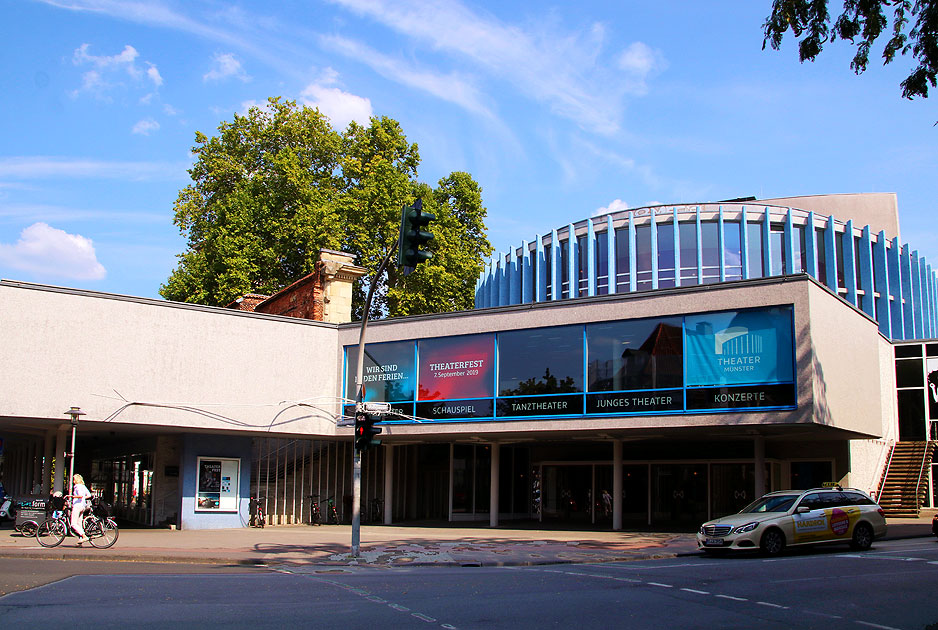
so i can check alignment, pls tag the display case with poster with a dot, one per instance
(217, 484)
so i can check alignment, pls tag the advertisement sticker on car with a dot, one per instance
(819, 525)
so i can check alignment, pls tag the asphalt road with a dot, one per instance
(892, 586)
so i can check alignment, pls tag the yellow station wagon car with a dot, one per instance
(796, 517)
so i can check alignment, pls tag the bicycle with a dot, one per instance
(315, 516)
(257, 512)
(100, 529)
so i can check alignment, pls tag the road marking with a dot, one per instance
(423, 617)
(399, 607)
(661, 585)
(876, 625)
(820, 614)
(735, 599)
(691, 590)
(771, 605)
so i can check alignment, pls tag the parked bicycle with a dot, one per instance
(257, 512)
(100, 528)
(315, 514)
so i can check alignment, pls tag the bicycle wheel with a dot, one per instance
(105, 534)
(29, 528)
(51, 532)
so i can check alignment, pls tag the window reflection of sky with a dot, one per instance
(529, 361)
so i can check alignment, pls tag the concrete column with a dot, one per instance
(30, 468)
(759, 457)
(493, 486)
(48, 454)
(617, 485)
(388, 483)
(61, 465)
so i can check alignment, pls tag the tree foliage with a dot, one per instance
(277, 185)
(912, 28)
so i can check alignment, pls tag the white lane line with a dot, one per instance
(820, 614)
(399, 607)
(735, 599)
(658, 584)
(875, 625)
(771, 605)
(423, 617)
(691, 590)
(622, 579)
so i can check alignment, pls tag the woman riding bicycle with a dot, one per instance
(80, 496)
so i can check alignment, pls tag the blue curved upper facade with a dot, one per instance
(661, 247)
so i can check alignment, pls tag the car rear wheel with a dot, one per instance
(862, 537)
(773, 542)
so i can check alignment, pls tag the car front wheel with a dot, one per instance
(773, 542)
(862, 537)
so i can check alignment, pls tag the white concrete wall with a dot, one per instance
(194, 367)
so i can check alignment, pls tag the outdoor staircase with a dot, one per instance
(905, 482)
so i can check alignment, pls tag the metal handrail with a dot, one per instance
(921, 473)
(882, 481)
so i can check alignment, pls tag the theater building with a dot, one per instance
(650, 368)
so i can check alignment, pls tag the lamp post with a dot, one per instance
(74, 413)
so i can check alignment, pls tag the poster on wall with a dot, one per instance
(739, 347)
(388, 372)
(931, 367)
(454, 375)
(218, 483)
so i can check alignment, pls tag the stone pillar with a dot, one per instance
(617, 485)
(337, 273)
(61, 465)
(759, 457)
(493, 486)
(48, 454)
(388, 483)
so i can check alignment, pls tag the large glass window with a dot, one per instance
(564, 269)
(549, 271)
(688, 238)
(800, 263)
(388, 371)
(710, 242)
(643, 257)
(454, 368)
(665, 255)
(821, 254)
(777, 239)
(623, 261)
(754, 249)
(839, 243)
(602, 264)
(732, 250)
(540, 361)
(631, 355)
(582, 271)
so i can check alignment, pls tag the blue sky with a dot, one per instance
(557, 110)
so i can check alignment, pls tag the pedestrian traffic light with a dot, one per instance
(365, 431)
(414, 222)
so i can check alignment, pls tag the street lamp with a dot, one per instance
(74, 413)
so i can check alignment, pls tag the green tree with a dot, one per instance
(912, 27)
(278, 184)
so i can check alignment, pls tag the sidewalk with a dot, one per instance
(385, 546)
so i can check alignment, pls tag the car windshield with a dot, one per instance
(771, 503)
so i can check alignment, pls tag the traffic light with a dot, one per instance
(365, 431)
(414, 222)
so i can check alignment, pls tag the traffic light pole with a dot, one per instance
(359, 398)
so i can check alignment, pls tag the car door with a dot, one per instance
(809, 520)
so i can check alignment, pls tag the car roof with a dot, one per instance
(796, 493)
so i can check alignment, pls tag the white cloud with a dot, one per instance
(169, 110)
(145, 127)
(341, 107)
(616, 205)
(41, 167)
(449, 87)
(225, 66)
(561, 68)
(640, 62)
(46, 250)
(108, 69)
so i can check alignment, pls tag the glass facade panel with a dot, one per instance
(540, 361)
(821, 254)
(665, 255)
(635, 355)
(688, 237)
(777, 246)
(549, 272)
(710, 242)
(800, 264)
(564, 269)
(602, 264)
(453, 368)
(623, 262)
(841, 279)
(389, 372)
(643, 258)
(582, 263)
(732, 250)
(754, 249)
(909, 373)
